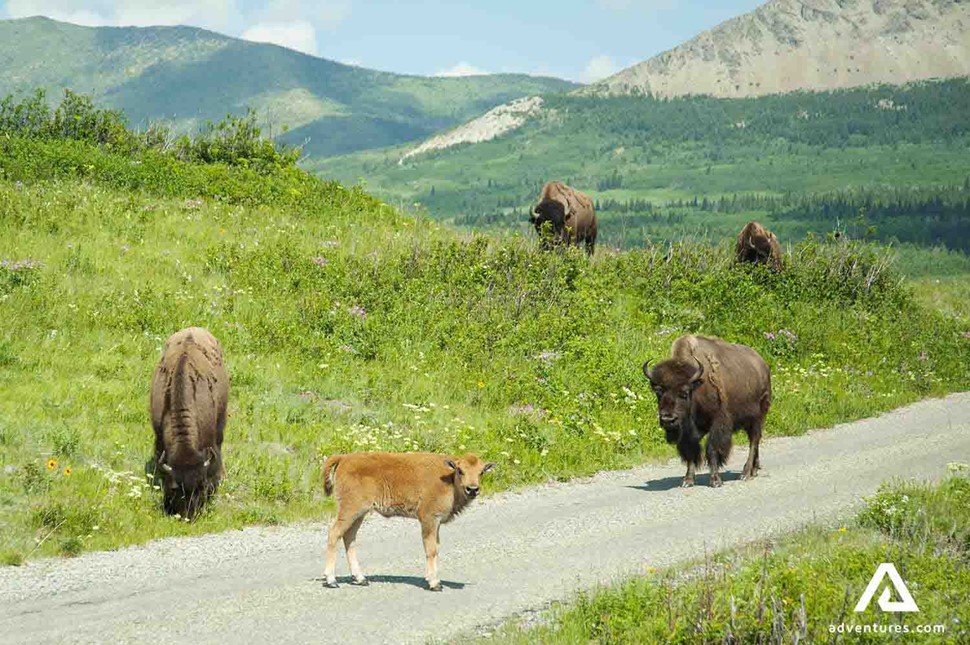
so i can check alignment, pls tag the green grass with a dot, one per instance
(795, 588)
(186, 76)
(349, 326)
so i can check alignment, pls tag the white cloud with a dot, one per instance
(598, 68)
(462, 69)
(299, 35)
(285, 20)
(213, 14)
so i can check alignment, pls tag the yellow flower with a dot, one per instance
(842, 529)
(67, 471)
(481, 384)
(51, 464)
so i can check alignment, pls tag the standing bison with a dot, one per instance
(711, 387)
(190, 390)
(758, 245)
(570, 215)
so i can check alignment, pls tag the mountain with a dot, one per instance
(788, 45)
(189, 75)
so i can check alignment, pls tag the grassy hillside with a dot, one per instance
(792, 590)
(890, 159)
(349, 326)
(190, 75)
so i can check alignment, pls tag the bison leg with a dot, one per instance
(718, 450)
(689, 477)
(429, 531)
(753, 464)
(350, 544)
(340, 526)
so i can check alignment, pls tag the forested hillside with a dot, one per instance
(186, 76)
(891, 163)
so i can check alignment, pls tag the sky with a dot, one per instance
(581, 40)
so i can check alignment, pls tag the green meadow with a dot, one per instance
(349, 325)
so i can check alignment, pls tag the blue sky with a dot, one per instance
(582, 40)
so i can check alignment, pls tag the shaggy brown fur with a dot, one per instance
(758, 245)
(570, 214)
(711, 387)
(430, 488)
(190, 390)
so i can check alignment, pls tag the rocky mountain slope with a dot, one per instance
(787, 45)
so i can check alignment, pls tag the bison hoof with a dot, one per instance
(435, 587)
(688, 482)
(361, 582)
(716, 482)
(330, 584)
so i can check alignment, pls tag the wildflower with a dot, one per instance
(357, 311)
(481, 384)
(125, 248)
(965, 334)
(923, 356)
(51, 464)
(770, 335)
(842, 529)
(68, 471)
(319, 260)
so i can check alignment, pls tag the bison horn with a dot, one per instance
(647, 371)
(700, 369)
(166, 468)
(751, 243)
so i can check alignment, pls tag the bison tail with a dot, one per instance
(329, 466)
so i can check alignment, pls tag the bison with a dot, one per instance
(190, 390)
(711, 387)
(758, 245)
(428, 487)
(570, 215)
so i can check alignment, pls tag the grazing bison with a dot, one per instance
(190, 390)
(570, 214)
(711, 387)
(758, 245)
(430, 488)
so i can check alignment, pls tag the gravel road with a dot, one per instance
(508, 553)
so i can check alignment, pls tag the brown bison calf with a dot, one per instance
(190, 390)
(758, 245)
(570, 215)
(710, 387)
(430, 488)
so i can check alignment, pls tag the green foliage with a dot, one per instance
(234, 141)
(796, 589)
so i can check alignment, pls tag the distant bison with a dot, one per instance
(190, 390)
(711, 387)
(430, 488)
(758, 245)
(570, 215)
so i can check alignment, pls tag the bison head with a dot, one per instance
(468, 472)
(554, 213)
(188, 482)
(674, 382)
(758, 249)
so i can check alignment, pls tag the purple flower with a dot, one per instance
(770, 335)
(358, 312)
(320, 261)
